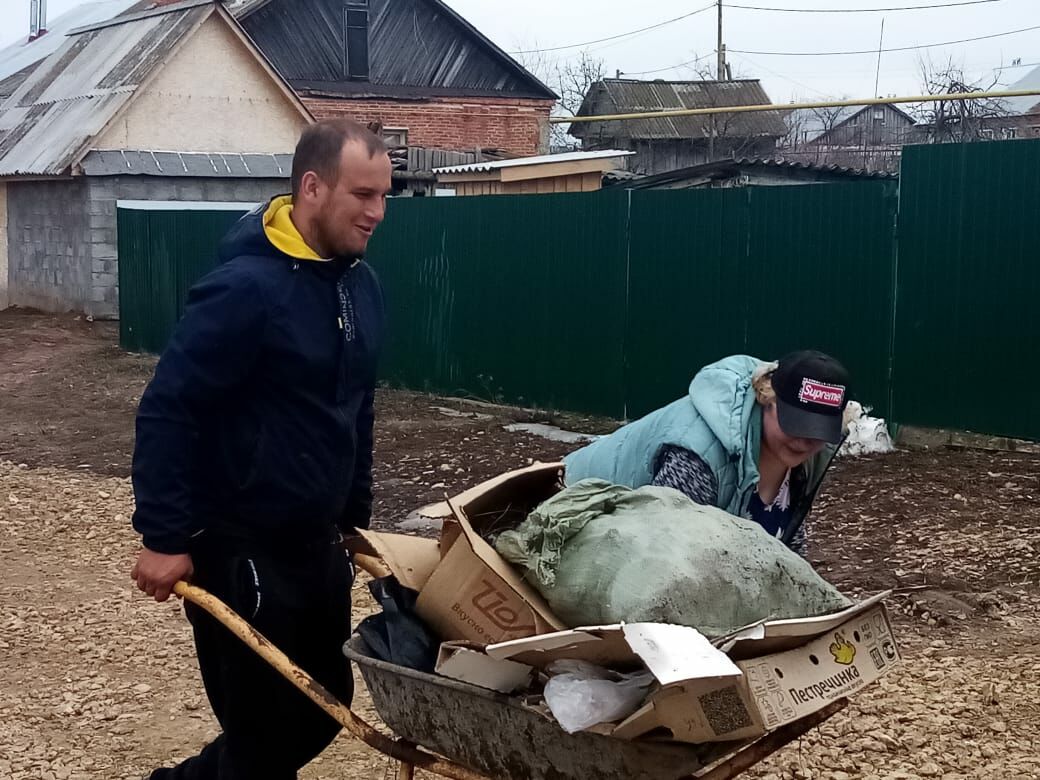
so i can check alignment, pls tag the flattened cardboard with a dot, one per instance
(464, 661)
(671, 653)
(775, 636)
(602, 645)
(790, 685)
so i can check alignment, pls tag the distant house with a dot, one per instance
(544, 174)
(416, 67)
(1003, 119)
(729, 174)
(667, 144)
(860, 137)
(1028, 106)
(167, 106)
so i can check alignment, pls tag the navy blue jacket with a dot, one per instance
(258, 422)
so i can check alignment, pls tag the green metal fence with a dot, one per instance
(763, 271)
(607, 303)
(162, 252)
(512, 298)
(967, 322)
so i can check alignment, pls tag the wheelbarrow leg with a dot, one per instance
(407, 771)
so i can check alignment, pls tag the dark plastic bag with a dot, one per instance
(397, 635)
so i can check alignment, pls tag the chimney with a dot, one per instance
(37, 19)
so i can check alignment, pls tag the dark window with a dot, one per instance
(355, 23)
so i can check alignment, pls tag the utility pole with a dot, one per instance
(721, 46)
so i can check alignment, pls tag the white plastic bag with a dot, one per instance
(580, 694)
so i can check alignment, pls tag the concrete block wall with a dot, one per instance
(62, 239)
(48, 245)
(103, 193)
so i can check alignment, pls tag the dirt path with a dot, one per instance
(99, 683)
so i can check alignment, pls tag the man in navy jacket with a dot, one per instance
(254, 450)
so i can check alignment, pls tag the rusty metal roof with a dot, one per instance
(698, 175)
(628, 96)
(18, 59)
(48, 123)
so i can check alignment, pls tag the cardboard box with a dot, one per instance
(466, 662)
(705, 696)
(411, 559)
(467, 591)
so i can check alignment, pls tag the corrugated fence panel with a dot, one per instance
(609, 302)
(819, 276)
(686, 302)
(161, 255)
(968, 284)
(765, 271)
(512, 298)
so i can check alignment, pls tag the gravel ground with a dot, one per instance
(98, 682)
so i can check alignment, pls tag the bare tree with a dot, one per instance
(829, 117)
(797, 123)
(957, 120)
(571, 79)
(807, 124)
(725, 132)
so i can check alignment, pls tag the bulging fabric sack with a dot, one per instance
(602, 554)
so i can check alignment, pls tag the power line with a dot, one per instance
(670, 67)
(788, 79)
(875, 51)
(858, 10)
(620, 35)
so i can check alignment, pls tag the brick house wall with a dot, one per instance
(516, 125)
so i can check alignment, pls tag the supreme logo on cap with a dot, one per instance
(814, 392)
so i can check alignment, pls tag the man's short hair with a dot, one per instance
(321, 147)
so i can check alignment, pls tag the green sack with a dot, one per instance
(602, 554)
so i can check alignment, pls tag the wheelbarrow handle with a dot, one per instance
(316, 692)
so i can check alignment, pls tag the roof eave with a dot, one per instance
(495, 49)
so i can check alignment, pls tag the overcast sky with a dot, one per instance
(550, 23)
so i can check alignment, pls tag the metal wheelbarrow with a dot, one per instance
(488, 735)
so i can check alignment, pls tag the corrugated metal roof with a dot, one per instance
(143, 9)
(212, 165)
(19, 57)
(627, 96)
(423, 45)
(447, 55)
(70, 98)
(725, 168)
(544, 159)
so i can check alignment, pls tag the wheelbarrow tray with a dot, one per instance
(496, 735)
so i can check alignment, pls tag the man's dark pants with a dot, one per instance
(299, 599)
